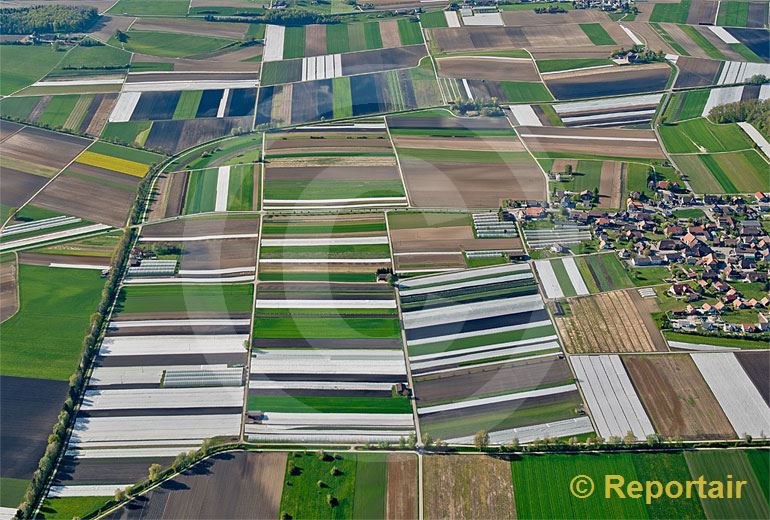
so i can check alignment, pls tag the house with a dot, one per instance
(762, 197)
(719, 307)
(679, 290)
(534, 213)
(720, 286)
(672, 230)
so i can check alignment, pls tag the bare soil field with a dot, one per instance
(695, 72)
(18, 186)
(390, 34)
(107, 25)
(613, 81)
(230, 485)
(219, 254)
(224, 62)
(580, 141)
(401, 500)
(435, 261)
(41, 152)
(98, 113)
(175, 196)
(757, 367)
(611, 184)
(315, 40)
(649, 36)
(172, 136)
(227, 3)
(472, 486)
(451, 185)
(455, 239)
(9, 297)
(7, 129)
(319, 161)
(446, 123)
(702, 12)
(465, 383)
(677, 399)
(717, 42)
(550, 36)
(492, 144)
(608, 322)
(365, 62)
(236, 31)
(530, 18)
(192, 76)
(331, 173)
(198, 227)
(46, 259)
(28, 408)
(496, 69)
(89, 200)
(692, 48)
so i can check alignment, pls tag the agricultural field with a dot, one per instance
(465, 326)
(448, 163)
(226, 188)
(616, 321)
(320, 166)
(84, 114)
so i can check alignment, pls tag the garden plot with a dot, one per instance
(617, 321)
(610, 396)
(429, 242)
(609, 112)
(566, 235)
(325, 167)
(447, 163)
(327, 354)
(344, 248)
(677, 398)
(110, 175)
(560, 277)
(483, 354)
(30, 158)
(77, 113)
(591, 141)
(613, 81)
(740, 399)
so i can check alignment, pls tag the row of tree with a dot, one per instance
(754, 111)
(47, 19)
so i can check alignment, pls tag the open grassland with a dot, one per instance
(25, 64)
(132, 133)
(702, 136)
(55, 308)
(170, 45)
(311, 404)
(191, 298)
(58, 110)
(151, 7)
(733, 172)
(71, 507)
(686, 105)
(467, 486)
(714, 465)
(531, 471)
(371, 486)
(96, 58)
(597, 34)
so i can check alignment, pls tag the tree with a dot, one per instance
(427, 440)
(629, 438)
(411, 441)
(121, 36)
(568, 169)
(481, 439)
(154, 472)
(120, 495)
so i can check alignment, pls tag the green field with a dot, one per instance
(481, 340)
(409, 32)
(294, 42)
(286, 71)
(714, 465)
(674, 13)
(569, 64)
(121, 152)
(303, 228)
(98, 57)
(686, 105)
(371, 486)
(326, 251)
(56, 305)
(433, 20)
(170, 45)
(179, 298)
(18, 107)
(315, 277)
(563, 277)
(702, 42)
(70, 507)
(701, 136)
(733, 13)
(337, 38)
(734, 172)
(12, 491)
(525, 91)
(328, 327)
(132, 133)
(559, 470)
(58, 110)
(597, 34)
(303, 498)
(188, 103)
(151, 7)
(419, 219)
(372, 35)
(201, 191)
(667, 37)
(240, 191)
(603, 272)
(24, 65)
(586, 176)
(342, 100)
(305, 404)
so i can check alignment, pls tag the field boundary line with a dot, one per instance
(16, 292)
(245, 411)
(539, 166)
(398, 164)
